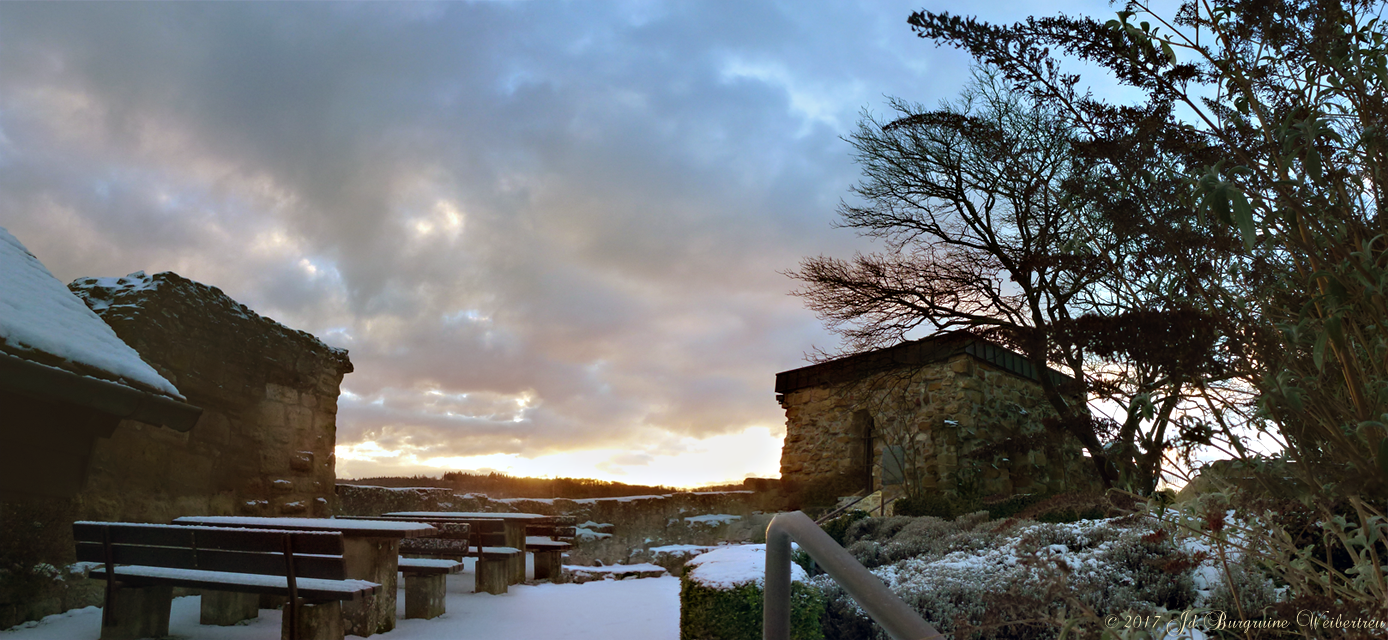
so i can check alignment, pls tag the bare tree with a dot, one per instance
(979, 236)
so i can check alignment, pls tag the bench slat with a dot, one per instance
(309, 588)
(429, 566)
(307, 542)
(486, 525)
(428, 545)
(171, 557)
(305, 566)
(308, 566)
(312, 542)
(124, 533)
(557, 521)
(552, 531)
(546, 544)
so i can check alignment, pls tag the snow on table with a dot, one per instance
(392, 527)
(467, 515)
(732, 566)
(39, 314)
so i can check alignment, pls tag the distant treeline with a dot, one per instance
(500, 485)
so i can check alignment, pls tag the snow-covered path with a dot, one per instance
(603, 610)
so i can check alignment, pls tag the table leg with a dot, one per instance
(515, 537)
(376, 560)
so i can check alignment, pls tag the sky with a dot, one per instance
(551, 235)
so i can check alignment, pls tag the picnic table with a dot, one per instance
(514, 524)
(142, 563)
(372, 553)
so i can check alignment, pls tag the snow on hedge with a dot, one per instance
(39, 314)
(728, 567)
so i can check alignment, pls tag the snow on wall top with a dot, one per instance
(40, 320)
(120, 300)
(728, 567)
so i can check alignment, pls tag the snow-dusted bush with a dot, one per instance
(721, 597)
(879, 541)
(1253, 592)
(972, 583)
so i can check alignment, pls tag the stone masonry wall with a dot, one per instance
(638, 522)
(264, 444)
(944, 414)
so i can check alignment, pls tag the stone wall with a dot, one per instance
(638, 522)
(634, 512)
(963, 425)
(263, 446)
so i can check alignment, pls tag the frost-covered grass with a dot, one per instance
(971, 580)
(1220, 564)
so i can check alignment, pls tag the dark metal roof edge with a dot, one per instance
(939, 349)
(50, 383)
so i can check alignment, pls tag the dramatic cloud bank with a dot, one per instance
(550, 234)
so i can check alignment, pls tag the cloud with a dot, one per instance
(537, 227)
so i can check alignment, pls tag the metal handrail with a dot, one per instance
(832, 514)
(882, 507)
(895, 616)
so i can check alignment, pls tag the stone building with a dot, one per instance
(264, 444)
(248, 408)
(950, 413)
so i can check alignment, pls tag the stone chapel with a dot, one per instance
(953, 412)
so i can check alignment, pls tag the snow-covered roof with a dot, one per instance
(41, 321)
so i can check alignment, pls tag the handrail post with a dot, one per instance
(896, 617)
(776, 600)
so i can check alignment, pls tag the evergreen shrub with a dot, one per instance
(837, 527)
(708, 613)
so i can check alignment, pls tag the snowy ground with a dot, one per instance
(647, 608)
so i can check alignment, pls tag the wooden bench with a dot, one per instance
(141, 564)
(425, 585)
(486, 543)
(558, 528)
(549, 556)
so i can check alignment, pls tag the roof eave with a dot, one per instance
(57, 385)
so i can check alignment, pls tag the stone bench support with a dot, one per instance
(424, 595)
(493, 575)
(226, 608)
(316, 622)
(138, 612)
(548, 564)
